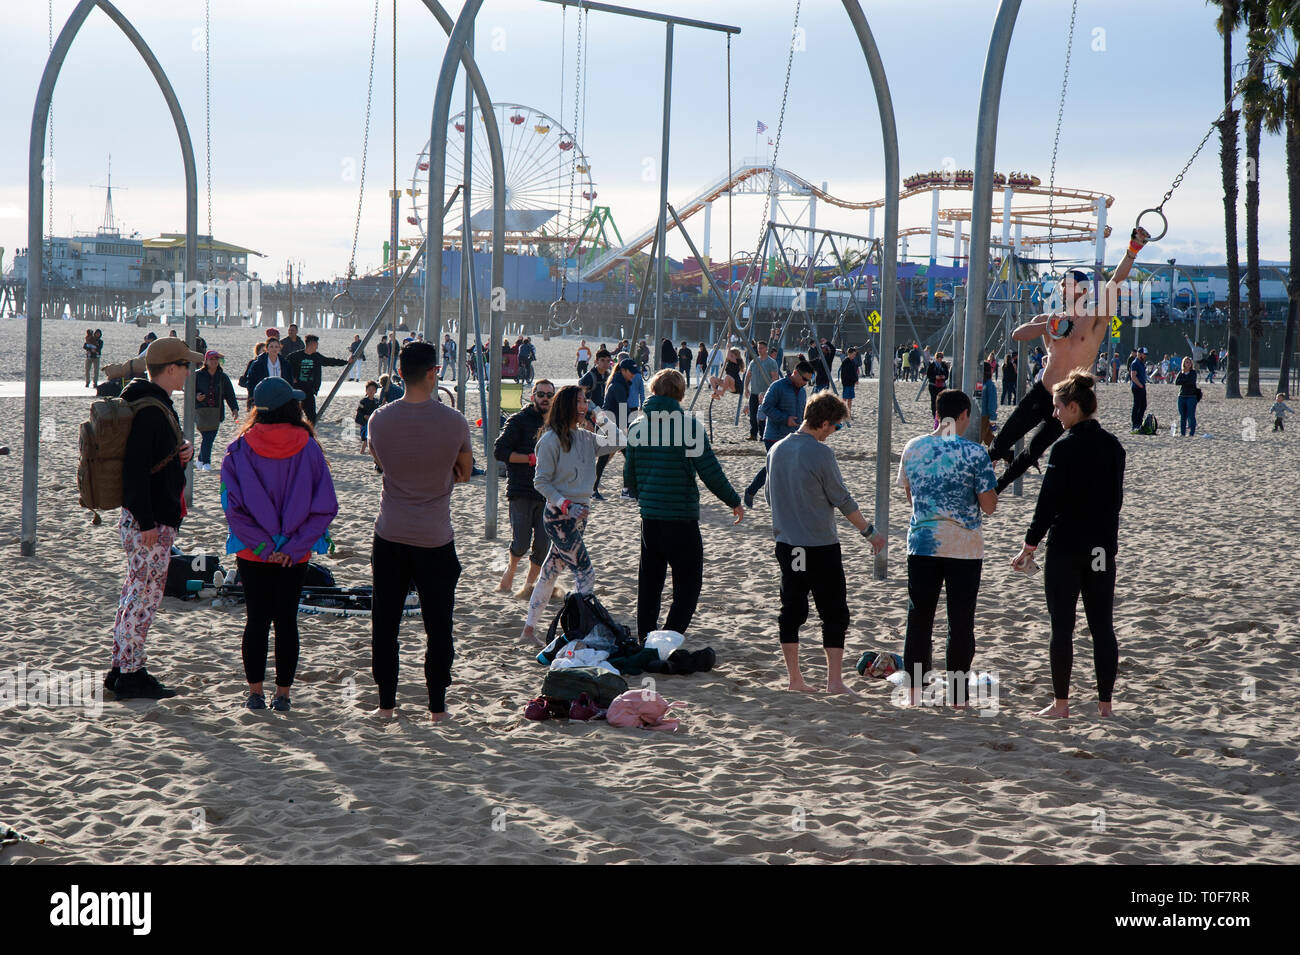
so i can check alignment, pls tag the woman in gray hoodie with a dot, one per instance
(566, 473)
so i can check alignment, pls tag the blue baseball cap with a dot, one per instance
(272, 393)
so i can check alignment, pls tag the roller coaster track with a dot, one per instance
(1070, 230)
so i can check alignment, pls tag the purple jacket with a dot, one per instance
(277, 494)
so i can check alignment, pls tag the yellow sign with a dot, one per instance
(873, 322)
(1116, 325)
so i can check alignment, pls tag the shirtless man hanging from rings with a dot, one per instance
(1072, 337)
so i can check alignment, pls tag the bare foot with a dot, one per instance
(383, 714)
(524, 592)
(504, 586)
(1057, 711)
(1105, 710)
(799, 686)
(839, 688)
(439, 717)
(528, 636)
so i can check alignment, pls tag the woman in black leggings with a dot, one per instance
(1078, 510)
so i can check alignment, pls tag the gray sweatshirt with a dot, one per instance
(568, 475)
(804, 488)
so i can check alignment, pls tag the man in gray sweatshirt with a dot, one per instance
(804, 489)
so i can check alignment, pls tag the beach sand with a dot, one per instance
(1199, 764)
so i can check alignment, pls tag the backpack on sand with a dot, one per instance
(580, 615)
(1149, 425)
(570, 683)
(103, 446)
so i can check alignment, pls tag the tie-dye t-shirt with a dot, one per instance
(944, 475)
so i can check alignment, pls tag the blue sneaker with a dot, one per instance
(256, 701)
(280, 704)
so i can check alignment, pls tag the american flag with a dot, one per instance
(762, 126)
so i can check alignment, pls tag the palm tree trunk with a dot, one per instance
(1255, 308)
(1228, 162)
(1293, 198)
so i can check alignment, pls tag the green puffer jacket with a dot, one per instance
(660, 472)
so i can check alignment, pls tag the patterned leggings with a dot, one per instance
(567, 550)
(146, 574)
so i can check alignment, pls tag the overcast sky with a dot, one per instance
(289, 96)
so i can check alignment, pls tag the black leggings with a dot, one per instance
(434, 570)
(665, 544)
(1035, 408)
(602, 462)
(1066, 575)
(925, 577)
(271, 594)
(819, 570)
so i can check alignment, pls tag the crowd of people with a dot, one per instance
(279, 500)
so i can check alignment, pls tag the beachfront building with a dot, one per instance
(165, 256)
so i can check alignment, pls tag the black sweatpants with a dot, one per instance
(1139, 407)
(961, 579)
(271, 595)
(1066, 575)
(753, 417)
(309, 406)
(1035, 408)
(434, 571)
(602, 462)
(819, 571)
(760, 478)
(665, 544)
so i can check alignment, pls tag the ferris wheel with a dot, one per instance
(545, 170)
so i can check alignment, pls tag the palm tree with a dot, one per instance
(1259, 99)
(1228, 21)
(1285, 63)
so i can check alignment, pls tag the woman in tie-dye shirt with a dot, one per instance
(949, 481)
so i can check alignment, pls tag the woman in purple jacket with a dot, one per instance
(279, 501)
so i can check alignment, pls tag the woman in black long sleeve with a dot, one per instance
(1188, 396)
(1078, 510)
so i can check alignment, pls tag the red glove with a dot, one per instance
(532, 460)
(564, 507)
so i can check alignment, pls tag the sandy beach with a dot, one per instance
(1199, 765)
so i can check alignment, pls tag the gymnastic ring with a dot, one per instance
(1163, 220)
(562, 307)
(451, 395)
(343, 297)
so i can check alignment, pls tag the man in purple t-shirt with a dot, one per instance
(423, 448)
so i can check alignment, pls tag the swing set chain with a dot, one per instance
(1240, 88)
(1056, 143)
(207, 113)
(776, 150)
(573, 165)
(365, 148)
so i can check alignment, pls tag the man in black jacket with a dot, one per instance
(515, 447)
(292, 343)
(153, 482)
(304, 372)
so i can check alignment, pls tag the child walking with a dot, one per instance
(1279, 411)
(365, 408)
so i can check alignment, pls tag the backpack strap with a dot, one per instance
(170, 415)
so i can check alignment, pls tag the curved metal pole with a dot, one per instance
(888, 277)
(458, 52)
(986, 139)
(36, 243)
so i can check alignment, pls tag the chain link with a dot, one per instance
(1056, 143)
(49, 173)
(1239, 89)
(365, 148)
(771, 183)
(207, 114)
(573, 159)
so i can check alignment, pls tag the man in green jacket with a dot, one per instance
(666, 448)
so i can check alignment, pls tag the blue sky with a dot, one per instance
(289, 92)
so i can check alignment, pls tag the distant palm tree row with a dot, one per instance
(1269, 83)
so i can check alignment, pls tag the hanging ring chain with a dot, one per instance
(365, 148)
(1056, 143)
(207, 109)
(776, 150)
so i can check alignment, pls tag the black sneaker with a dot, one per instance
(141, 684)
(110, 681)
(597, 496)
